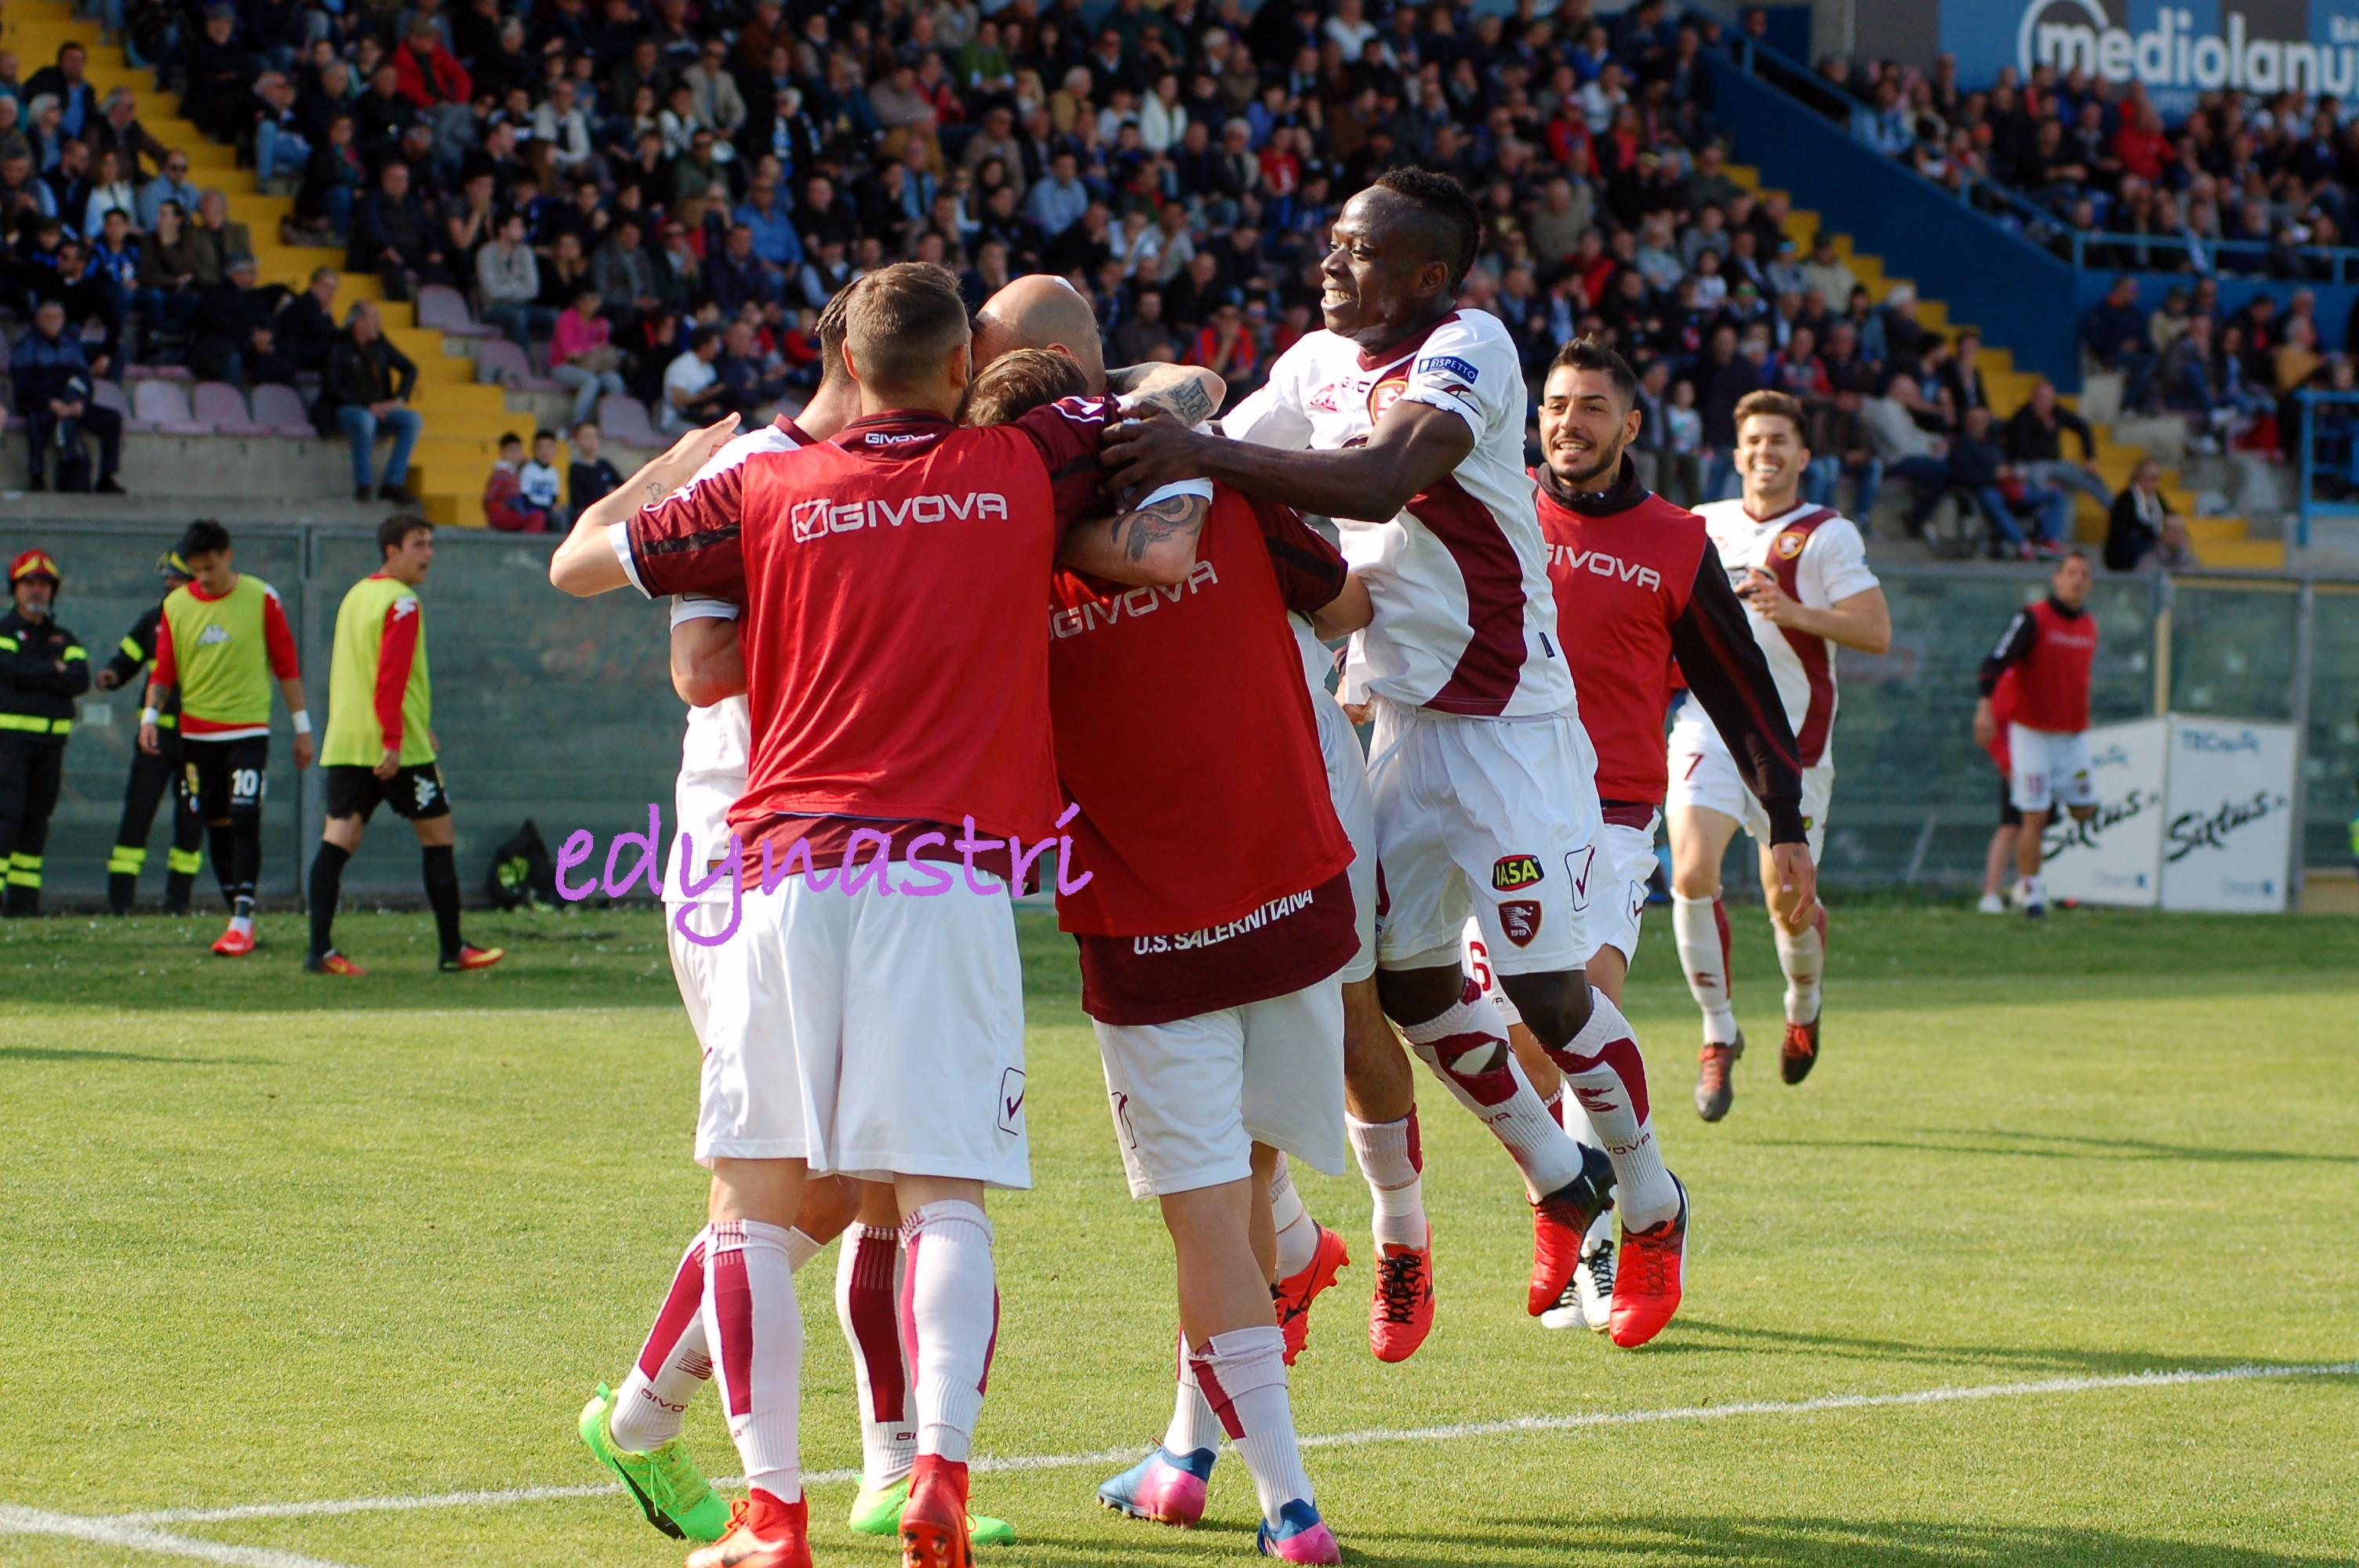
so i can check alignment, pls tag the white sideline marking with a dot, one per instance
(1328, 1439)
(15, 1520)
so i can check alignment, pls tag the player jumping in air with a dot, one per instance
(1213, 923)
(380, 745)
(838, 998)
(1803, 571)
(223, 644)
(153, 777)
(2051, 646)
(1482, 778)
(1640, 598)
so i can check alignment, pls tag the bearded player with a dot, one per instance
(1802, 571)
(838, 998)
(1640, 598)
(1482, 778)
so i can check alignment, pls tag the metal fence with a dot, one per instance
(561, 709)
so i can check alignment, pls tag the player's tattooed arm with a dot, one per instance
(1414, 447)
(584, 564)
(1152, 546)
(1188, 393)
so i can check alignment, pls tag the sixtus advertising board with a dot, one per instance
(2227, 816)
(2115, 856)
(2177, 50)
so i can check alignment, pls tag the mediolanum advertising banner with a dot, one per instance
(2115, 856)
(2177, 51)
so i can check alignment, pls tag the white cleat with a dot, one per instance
(1992, 903)
(1588, 1300)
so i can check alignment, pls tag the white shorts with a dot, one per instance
(1347, 782)
(1703, 774)
(2050, 769)
(693, 963)
(1498, 816)
(1191, 1098)
(872, 1034)
(1614, 915)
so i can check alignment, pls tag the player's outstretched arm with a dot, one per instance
(1414, 447)
(1188, 393)
(585, 565)
(1151, 547)
(1862, 622)
(708, 662)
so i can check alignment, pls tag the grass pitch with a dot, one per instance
(272, 1238)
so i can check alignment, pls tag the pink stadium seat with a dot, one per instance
(222, 407)
(107, 395)
(165, 406)
(279, 408)
(622, 418)
(441, 309)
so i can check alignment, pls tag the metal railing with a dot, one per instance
(2329, 451)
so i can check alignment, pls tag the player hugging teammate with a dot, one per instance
(1248, 944)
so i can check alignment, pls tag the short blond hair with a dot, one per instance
(902, 323)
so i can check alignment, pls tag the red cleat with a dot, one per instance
(1713, 1091)
(1401, 1314)
(332, 962)
(234, 943)
(934, 1522)
(1561, 1222)
(1292, 1296)
(1647, 1278)
(763, 1533)
(472, 958)
(1801, 1052)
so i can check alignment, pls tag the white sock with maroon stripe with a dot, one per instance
(1567, 1109)
(1607, 1076)
(1700, 927)
(1243, 1374)
(950, 1321)
(1194, 1427)
(868, 1272)
(1298, 1233)
(1392, 1159)
(1804, 959)
(673, 1363)
(1467, 1047)
(753, 1319)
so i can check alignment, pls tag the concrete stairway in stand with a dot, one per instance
(464, 419)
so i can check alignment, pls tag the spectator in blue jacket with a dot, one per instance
(53, 392)
(1057, 203)
(772, 224)
(2114, 334)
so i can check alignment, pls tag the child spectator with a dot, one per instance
(504, 507)
(539, 482)
(589, 477)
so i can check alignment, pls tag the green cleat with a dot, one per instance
(666, 1484)
(879, 1513)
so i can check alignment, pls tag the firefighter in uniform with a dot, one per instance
(152, 775)
(42, 670)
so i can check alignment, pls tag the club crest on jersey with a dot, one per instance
(1519, 919)
(1509, 872)
(1384, 394)
(1448, 365)
(1790, 544)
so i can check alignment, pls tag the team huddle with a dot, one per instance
(1265, 915)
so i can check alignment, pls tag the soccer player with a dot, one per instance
(1482, 778)
(151, 776)
(43, 668)
(1803, 571)
(222, 642)
(872, 725)
(380, 745)
(1640, 594)
(1045, 312)
(1999, 858)
(1213, 917)
(2051, 646)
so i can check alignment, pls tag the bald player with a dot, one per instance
(1040, 311)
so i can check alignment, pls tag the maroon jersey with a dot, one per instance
(1184, 732)
(1641, 601)
(2052, 648)
(891, 578)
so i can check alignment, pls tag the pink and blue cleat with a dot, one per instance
(1300, 1536)
(1168, 1489)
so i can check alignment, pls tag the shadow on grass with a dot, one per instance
(59, 1053)
(2045, 1358)
(2112, 1149)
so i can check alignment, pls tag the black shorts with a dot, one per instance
(2008, 815)
(225, 775)
(415, 793)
